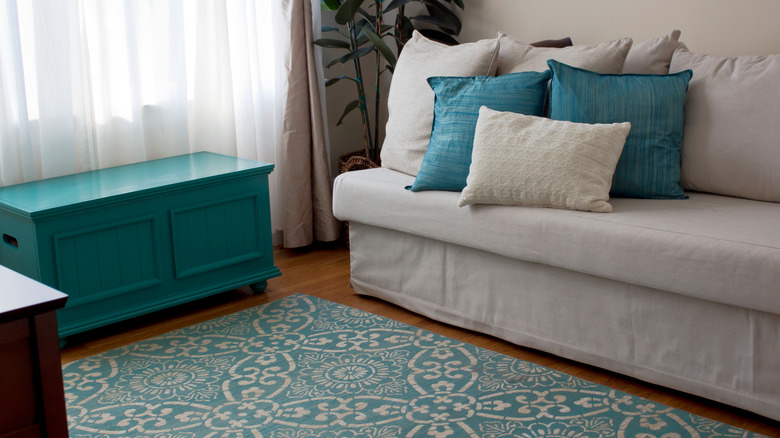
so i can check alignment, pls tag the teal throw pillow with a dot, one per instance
(455, 113)
(649, 166)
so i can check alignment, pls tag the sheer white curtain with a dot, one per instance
(87, 84)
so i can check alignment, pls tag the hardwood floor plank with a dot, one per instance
(323, 271)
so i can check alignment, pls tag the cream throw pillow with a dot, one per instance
(535, 161)
(410, 99)
(607, 57)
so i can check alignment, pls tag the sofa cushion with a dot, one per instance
(535, 161)
(410, 99)
(731, 145)
(650, 164)
(710, 247)
(652, 56)
(447, 159)
(606, 57)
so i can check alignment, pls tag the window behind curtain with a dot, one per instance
(87, 84)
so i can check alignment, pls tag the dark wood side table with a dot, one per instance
(32, 399)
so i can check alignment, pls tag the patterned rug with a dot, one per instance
(304, 367)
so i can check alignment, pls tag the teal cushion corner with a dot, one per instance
(456, 109)
(649, 166)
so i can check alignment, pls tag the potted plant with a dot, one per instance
(365, 31)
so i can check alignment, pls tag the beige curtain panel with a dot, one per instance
(306, 184)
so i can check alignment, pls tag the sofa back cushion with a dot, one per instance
(731, 144)
(606, 57)
(652, 56)
(410, 99)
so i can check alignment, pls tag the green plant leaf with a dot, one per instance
(380, 45)
(348, 109)
(459, 3)
(443, 25)
(332, 81)
(333, 62)
(331, 5)
(363, 51)
(361, 36)
(362, 39)
(331, 43)
(347, 11)
(396, 3)
(330, 29)
(366, 15)
(359, 26)
(406, 32)
(449, 22)
(439, 36)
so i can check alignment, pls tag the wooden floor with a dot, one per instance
(324, 272)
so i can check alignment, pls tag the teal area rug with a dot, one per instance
(304, 367)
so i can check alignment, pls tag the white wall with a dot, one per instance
(719, 27)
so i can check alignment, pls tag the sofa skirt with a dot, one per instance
(724, 353)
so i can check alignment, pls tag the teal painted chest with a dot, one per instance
(130, 240)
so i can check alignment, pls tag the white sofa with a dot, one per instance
(681, 293)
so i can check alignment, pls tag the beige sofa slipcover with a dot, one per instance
(683, 293)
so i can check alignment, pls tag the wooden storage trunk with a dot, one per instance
(129, 240)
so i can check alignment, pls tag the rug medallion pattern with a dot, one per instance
(302, 367)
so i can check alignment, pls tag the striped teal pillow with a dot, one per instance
(649, 166)
(456, 109)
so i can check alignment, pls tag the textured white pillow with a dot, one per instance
(652, 56)
(535, 161)
(410, 99)
(731, 141)
(607, 57)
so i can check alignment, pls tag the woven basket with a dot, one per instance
(356, 160)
